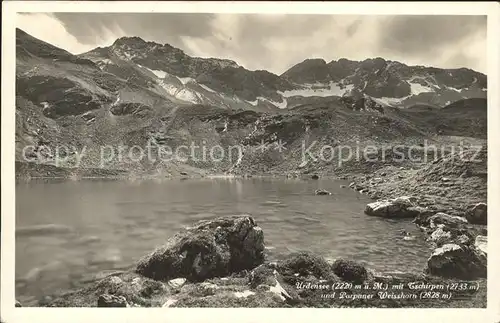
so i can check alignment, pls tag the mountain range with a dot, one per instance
(136, 91)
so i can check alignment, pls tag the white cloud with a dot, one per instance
(46, 27)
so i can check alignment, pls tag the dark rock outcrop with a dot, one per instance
(208, 249)
(401, 207)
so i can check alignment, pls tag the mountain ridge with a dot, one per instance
(387, 82)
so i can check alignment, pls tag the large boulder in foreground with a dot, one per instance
(211, 248)
(401, 207)
(455, 261)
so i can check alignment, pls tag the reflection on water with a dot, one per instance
(67, 231)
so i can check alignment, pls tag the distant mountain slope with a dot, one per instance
(172, 73)
(139, 93)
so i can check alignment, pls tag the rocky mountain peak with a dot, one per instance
(127, 40)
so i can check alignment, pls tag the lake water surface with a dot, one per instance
(104, 225)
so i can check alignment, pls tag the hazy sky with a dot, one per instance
(276, 42)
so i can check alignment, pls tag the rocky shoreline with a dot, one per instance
(221, 263)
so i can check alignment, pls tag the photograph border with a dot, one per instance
(10, 314)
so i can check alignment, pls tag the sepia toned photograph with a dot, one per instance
(250, 160)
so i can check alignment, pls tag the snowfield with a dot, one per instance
(417, 88)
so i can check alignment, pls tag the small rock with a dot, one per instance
(322, 192)
(418, 211)
(18, 304)
(481, 243)
(183, 173)
(314, 176)
(107, 300)
(462, 240)
(393, 278)
(210, 288)
(176, 283)
(350, 271)
(454, 261)
(45, 300)
(305, 264)
(400, 207)
(244, 294)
